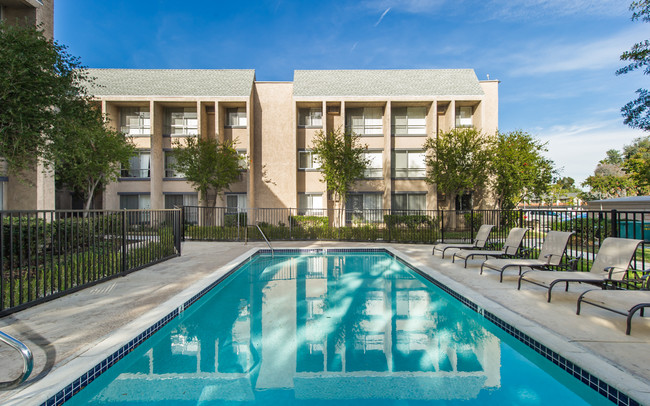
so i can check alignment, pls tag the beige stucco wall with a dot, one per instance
(274, 150)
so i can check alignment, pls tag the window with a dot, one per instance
(243, 159)
(464, 117)
(409, 201)
(235, 203)
(310, 204)
(135, 121)
(136, 202)
(464, 202)
(409, 121)
(170, 161)
(139, 166)
(181, 122)
(374, 169)
(409, 164)
(308, 160)
(363, 207)
(179, 200)
(365, 121)
(311, 117)
(236, 117)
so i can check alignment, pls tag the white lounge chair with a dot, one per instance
(510, 248)
(481, 239)
(551, 254)
(613, 257)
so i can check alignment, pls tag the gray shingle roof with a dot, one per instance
(416, 82)
(172, 82)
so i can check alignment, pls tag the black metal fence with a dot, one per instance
(419, 226)
(46, 254)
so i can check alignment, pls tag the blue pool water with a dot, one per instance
(337, 329)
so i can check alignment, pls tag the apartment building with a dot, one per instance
(32, 189)
(273, 125)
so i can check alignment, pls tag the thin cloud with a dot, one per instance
(577, 148)
(523, 9)
(382, 16)
(603, 53)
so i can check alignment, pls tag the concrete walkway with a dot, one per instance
(63, 330)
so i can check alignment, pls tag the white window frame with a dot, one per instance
(371, 208)
(407, 121)
(365, 121)
(236, 117)
(464, 116)
(181, 122)
(310, 117)
(171, 173)
(242, 202)
(135, 121)
(313, 164)
(375, 166)
(416, 166)
(409, 201)
(243, 160)
(144, 166)
(310, 204)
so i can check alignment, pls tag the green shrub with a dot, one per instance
(477, 220)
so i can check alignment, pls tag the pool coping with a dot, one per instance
(55, 388)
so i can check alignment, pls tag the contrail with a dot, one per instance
(382, 16)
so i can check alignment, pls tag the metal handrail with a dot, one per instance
(28, 360)
(266, 239)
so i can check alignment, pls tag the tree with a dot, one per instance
(608, 180)
(613, 157)
(38, 78)
(85, 154)
(342, 160)
(637, 163)
(459, 160)
(210, 165)
(637, 112)
(520, 169)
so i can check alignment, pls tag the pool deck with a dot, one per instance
(69, 334)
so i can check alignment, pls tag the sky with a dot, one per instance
(556, 59)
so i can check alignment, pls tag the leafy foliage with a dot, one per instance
(210, 165)
(341, 158)
(637, 163)
(459, 160)
(637, 112)
(627, 176)
(39, 78)
(85, 154)
(520, 169)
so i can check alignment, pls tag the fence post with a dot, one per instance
(471, 224)
(182, 221)
(442, 225)
(521, 217)
(179, 226)
(615, 223)
(124, 262)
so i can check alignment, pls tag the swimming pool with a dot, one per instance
(343, 327)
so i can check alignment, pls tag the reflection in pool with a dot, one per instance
(330, 329)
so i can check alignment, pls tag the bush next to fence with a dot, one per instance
(474, 219)
(28, 236)
(235, 219)
(410, 220)
(308, 221)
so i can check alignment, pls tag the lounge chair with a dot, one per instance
(510, 248)
(551, 254)
(614, 256)
(479, 242)
(625, 302)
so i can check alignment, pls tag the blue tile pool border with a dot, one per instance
(600, 386)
